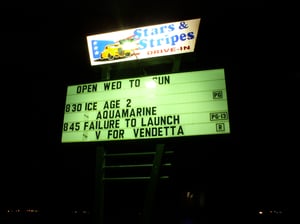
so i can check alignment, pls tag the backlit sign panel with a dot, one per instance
(143, 42)
(149, 107)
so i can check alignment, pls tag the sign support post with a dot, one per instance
(99, 186)
(152, 185)
(176, 64)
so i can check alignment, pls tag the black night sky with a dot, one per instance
(255, 166)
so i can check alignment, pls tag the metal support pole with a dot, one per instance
(152, 187)
(176, 63)
(99, 186)
(105, 74)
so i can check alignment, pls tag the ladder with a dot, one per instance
(131, 166)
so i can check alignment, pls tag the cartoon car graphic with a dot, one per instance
(115, 51)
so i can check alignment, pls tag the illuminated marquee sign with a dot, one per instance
(160, 106)
(144, 42)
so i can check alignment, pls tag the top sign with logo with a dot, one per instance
(143, 42)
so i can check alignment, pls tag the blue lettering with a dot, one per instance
(148, 42)
(142, 44)
(152, 43)
(183, 36)
(137, 34)
(159, 41)
(167, 39)
(155, 31)
(146, 32)
(190, 35)
(174, 39)
(171, 27)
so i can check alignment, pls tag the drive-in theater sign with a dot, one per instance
(159, 106)
(143, 42)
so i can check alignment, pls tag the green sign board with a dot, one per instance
(159, 106)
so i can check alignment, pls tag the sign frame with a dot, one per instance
(149, 107)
